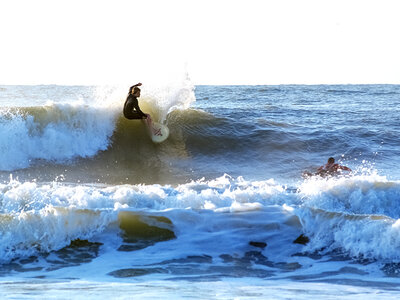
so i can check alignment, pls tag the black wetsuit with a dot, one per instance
(131, 108)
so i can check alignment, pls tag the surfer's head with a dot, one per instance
(136, 91)
(331, 160)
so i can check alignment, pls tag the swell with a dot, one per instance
(96, 144)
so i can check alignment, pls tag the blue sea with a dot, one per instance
(91, 208)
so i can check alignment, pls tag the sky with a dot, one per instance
(87, 42)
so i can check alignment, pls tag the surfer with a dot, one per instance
(132, 110)
(330, 168)
(131, 107)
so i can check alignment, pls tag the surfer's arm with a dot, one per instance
(344, 168)
(137, 84)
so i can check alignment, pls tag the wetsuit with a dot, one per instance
(131, 108)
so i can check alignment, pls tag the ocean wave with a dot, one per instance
(362, 194)
(46, 217)
(36, 218)
(59, 132)
(374, 237)
(102, 140)
(357, 215)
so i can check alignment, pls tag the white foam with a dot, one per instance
(357, 214)
(362, 194)
(331, 212)
(49, 228)
(50, 215)
(66, 131)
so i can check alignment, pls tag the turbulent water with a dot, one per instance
(90, 207)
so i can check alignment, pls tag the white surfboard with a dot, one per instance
(158, 132)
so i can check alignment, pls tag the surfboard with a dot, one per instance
(158, 132)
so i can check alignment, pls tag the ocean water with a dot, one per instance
(91, 208)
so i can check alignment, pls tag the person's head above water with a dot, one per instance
(331, 160)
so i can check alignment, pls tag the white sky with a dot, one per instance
(217, 41)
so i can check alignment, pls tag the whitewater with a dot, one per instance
(91, 208)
